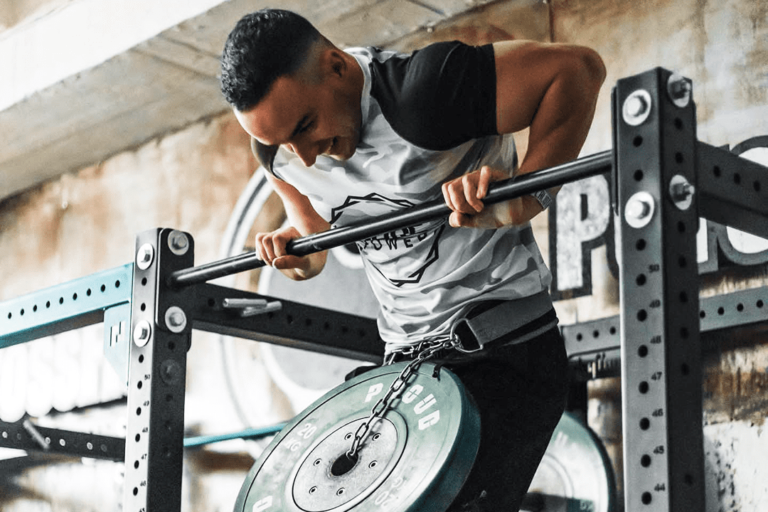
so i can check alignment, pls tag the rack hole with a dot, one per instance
(756, 186)
(103, 288)
(143, 281)
(684, 333)
(680, 226)
(717, 171)
(579, 337)
(679, 157)
(688, 479)
(645, 460)
(647, 498)
(139, 384)
(169, 398)
(211, 302)
(685, 369)
(682, 262)
(289, 319)
(61, 300)
(612, 330)
(645, 424)
(641, 280)
(171, 345)
(143, 306)
(683, 297)
(34, 308)
(640, 244)
(643, 387)
(642, 315)
(638, 175)
(141, 358)
(138, 411)
(135, 464)
(637, 141)
(642, 350)
(74, 296)
(117, 284)
(595, 334)
(702, 314)
(138, 437)
(678, 123)
(759, 303)
(135, 491)
(88, 292)
(48, 304)
(737, 178)
(740, 307)
(721, 311)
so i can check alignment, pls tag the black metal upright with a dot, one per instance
(160, 338)
(655, 151)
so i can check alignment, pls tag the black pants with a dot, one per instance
(520, 391)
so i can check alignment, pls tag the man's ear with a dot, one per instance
(337, 63)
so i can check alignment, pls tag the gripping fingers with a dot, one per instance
(272, 246)
(461, 195)
(264, 248)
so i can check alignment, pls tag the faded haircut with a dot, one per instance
(262, 47)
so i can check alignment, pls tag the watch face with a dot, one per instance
(270, 383)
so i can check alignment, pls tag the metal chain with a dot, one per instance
(423, 351)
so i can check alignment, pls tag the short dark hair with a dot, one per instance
(263, 46)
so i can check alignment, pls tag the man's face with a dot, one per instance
(309, 116)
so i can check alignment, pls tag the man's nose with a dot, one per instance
(305, 152)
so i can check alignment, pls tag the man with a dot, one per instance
(350, 135)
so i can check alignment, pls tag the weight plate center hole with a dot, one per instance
(344, 464)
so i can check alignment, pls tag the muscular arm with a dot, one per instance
(304, 220)
(551, 88)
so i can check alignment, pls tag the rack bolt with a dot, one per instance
(679, 90)
(178, 242)
(639, 209)
(144, 256)
(175, 319)
(681, 192)
(637, 107)
(142, 333)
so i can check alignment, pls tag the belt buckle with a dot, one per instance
(461, 332)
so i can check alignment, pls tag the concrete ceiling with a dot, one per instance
(95, 78)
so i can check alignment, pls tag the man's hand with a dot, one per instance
(464, 196)
(271, 248)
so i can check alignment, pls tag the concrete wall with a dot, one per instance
(17, 12)
(190, 180)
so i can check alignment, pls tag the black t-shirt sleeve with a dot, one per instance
(440, 96)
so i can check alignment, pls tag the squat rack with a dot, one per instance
(663, 180)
